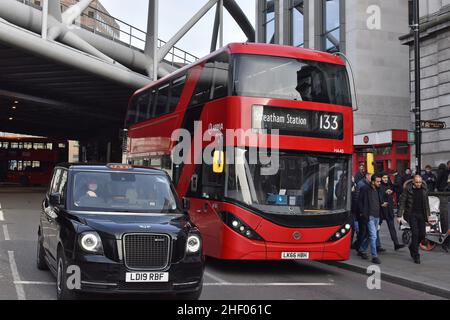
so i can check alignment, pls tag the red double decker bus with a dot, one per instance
(30, 160)
(290, 105)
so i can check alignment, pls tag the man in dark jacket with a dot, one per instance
(387, 209)
(441, 186)
(360, 174)
(429, 178)
(370, 203)
(400, 180)
(415, 209)
(361, 218)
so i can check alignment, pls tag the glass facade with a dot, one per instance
(269, 21)
(331, 25)
(296, 12)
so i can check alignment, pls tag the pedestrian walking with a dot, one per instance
(442, 186)
(354, 209)
(387, 209)
(360, 217)
(361, 173)
(400, 180)
(429, 178)
(415, 209)
(371, 207)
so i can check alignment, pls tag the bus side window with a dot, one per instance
(151, 104)
(176, 90)
(141, 107)
(162, 101)
(203, 89)
(221, 73)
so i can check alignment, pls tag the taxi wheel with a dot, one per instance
(62, 292)
(40, 254)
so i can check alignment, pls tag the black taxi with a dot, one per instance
(118, 229)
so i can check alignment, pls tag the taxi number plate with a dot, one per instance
(147, 277)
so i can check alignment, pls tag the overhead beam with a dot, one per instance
(32, 43)
(164, 50)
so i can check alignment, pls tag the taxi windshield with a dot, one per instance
(123, 192)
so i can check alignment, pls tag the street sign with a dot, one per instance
(429, 124)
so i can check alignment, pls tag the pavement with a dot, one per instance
(431, 276)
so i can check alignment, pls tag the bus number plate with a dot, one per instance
(295, 255)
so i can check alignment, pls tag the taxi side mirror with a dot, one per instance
(218, 161)
(55, 199)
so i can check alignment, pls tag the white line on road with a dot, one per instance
(269, 284)
(16, 277)
(216, 278)
(6, 233)
(39, 283)
(2, 216)
(212, 284)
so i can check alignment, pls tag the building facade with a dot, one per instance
(435, 77)
(367, 32)
(95, 18)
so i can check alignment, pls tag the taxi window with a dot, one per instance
(123, 191)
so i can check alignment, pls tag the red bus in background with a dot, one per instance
(30, 160)
(301, 211)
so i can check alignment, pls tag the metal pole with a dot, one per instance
(417, 110)
(44, 19)
(220, 3)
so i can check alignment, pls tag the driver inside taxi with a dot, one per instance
(92, 189)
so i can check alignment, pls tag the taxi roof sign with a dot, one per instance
(119, 166)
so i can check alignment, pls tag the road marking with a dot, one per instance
(38, 283)
(216, 278)
(270, 284)
(6, 233)
(16, 277)
(2, 216)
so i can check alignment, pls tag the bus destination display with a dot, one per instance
(295, 122)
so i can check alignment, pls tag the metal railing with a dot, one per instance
(105, 25)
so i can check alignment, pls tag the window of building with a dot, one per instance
(331, 25)
(269, 21)
(410, 12)
(296, 12)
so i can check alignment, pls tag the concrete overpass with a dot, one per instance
(62, 79)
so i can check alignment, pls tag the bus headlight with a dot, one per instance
(91, 242)
(239, 226)
(193, 244)
(341, 232)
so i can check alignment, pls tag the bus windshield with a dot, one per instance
(293, 79)
(123, 192)
(304, 183)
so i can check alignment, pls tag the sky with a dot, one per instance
(173, 14)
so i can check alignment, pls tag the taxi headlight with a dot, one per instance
(91, 242)
(193, 244)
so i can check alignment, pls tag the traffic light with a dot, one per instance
(370, 163)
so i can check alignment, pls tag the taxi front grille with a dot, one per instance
(146, 251)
